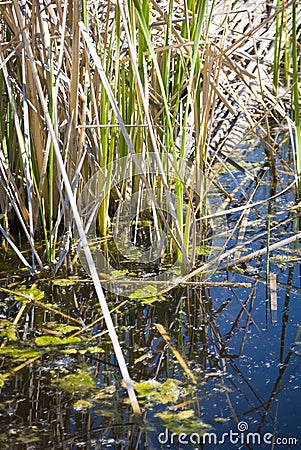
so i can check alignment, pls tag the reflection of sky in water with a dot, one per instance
(263, 363)
(262, 381)
(266, 364)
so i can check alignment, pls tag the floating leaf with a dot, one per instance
(105, 411)
(180, 416)
(48, 340)
(148, 290)
(149, 300)
(147, 388)
(69, 351)
(171, 390)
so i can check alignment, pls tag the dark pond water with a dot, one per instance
(61, 384)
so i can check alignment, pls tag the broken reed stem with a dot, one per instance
(243, 259)
(177, 355)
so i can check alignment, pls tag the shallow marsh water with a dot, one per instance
(236, 386)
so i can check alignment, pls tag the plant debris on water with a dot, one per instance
(150, 183)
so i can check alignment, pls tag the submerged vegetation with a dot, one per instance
(125, 130)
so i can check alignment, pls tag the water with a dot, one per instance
(247, 369)
(244, 355)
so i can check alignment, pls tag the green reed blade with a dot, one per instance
(295, 93)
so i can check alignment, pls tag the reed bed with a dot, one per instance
(86, 85)
(147, 78)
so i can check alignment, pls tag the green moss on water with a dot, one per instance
(65, 281)
(76, 383)
(81, 405)
(32, 293)
(8, 330)
(183, 422)
(105, 393)
(160, 393)
(65, 329)
(147, 294)
(46, 341)
(145, 291)
(19, 354)
(119, 273)
(2, 380)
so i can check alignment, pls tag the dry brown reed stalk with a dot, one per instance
(74, 91)
(231, 79)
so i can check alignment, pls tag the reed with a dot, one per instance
(163, 68)
(88, 84)
(296, 95)
(287, 71)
